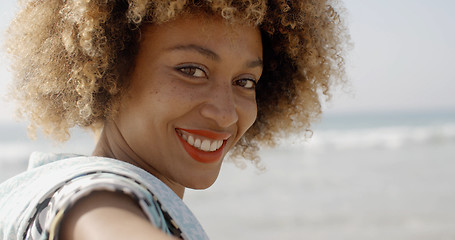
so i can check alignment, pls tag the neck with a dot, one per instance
(111, 144)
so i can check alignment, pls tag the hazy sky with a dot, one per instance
(403, 56)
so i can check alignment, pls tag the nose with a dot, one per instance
(220, 106)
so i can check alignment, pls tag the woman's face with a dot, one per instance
(191, 97)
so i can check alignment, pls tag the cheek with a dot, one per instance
(173, 99)
(160, 93)
(247, 115)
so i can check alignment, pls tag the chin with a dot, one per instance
(201, 186)
(202, 181)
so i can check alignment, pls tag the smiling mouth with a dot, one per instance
(203, 146)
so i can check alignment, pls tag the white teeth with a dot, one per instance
(197, 143)
(213, 146)
(205, 146)
(190, 140)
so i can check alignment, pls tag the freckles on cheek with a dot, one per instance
(154, 97)
(185, 96)
(153, 92)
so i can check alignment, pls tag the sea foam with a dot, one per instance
(392, 137)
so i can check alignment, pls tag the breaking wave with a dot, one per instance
(381, 137)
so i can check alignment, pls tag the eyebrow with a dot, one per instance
(255, 63)
(211, 54)
(193, 47)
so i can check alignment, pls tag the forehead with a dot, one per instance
(208, 31)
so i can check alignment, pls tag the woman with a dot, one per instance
(171, 86)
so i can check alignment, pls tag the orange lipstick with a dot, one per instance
(200, 155)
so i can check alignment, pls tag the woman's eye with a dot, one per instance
(246, 83)
(193, 71)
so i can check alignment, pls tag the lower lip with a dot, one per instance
(202, 156)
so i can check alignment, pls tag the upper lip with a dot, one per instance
(207, 133)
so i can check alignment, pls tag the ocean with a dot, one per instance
(360, 176)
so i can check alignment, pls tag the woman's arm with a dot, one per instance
(108, 215)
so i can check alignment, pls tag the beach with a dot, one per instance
(361, 176)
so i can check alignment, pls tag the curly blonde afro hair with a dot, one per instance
(71, 58)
